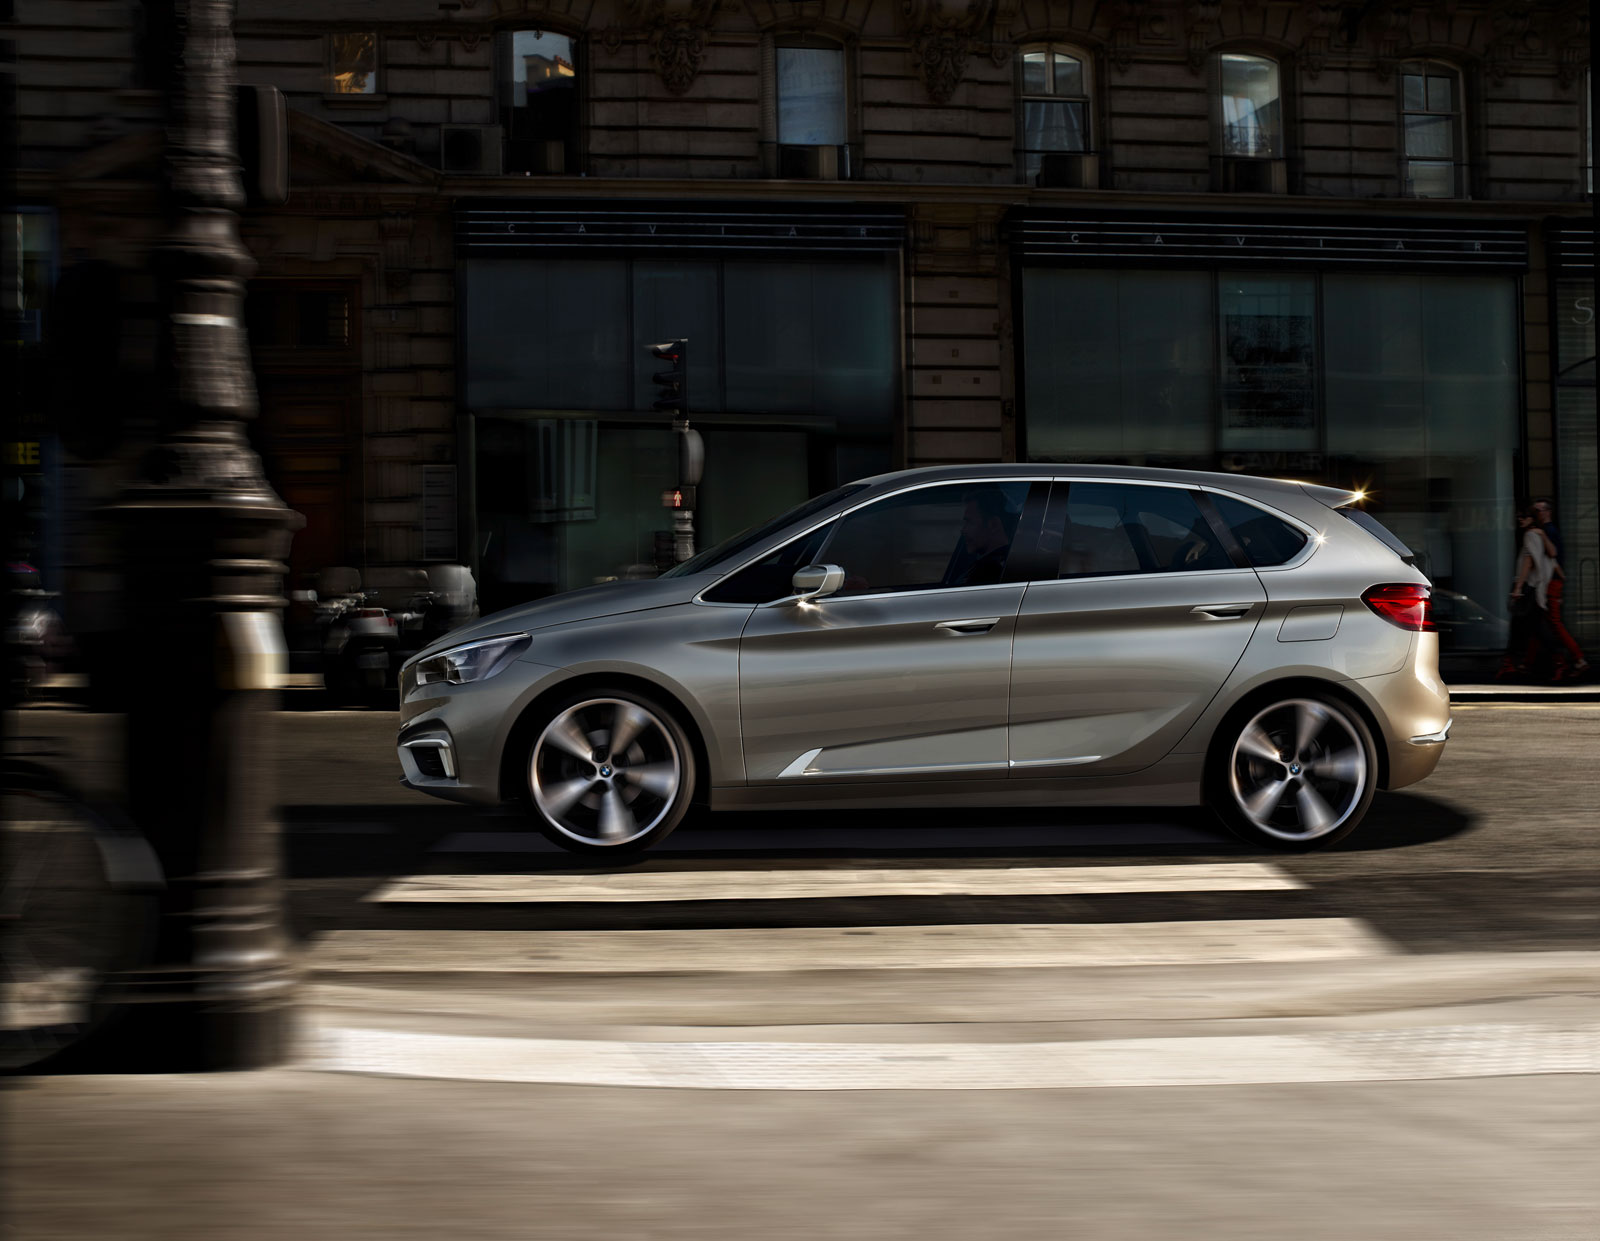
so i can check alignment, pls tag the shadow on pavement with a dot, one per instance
(1404, 820)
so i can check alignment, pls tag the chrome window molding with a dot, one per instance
(846, 512)
(1314, 537)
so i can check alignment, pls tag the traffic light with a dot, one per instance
(674, 383)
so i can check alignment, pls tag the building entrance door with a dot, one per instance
(308, 374)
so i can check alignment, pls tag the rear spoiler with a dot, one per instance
(1333, 497)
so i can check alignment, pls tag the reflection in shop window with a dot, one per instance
(1119, 366)
(538, 87)
(353, 63)
(1267, 330)
(1421, 385)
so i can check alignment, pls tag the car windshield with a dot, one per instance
(740, 543)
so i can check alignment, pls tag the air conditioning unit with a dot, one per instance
(1069, 170)
(814, 163)
(1250, 176)
(470, 148)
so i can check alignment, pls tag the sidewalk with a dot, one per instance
(1456, 1095)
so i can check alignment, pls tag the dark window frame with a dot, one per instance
(1086, 96)
(519, 149)
(1427, 67)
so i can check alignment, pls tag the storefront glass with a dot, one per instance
(1578, 507)
(793, 385)
(1405, 385)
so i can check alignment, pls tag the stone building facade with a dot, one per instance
(1351, 242)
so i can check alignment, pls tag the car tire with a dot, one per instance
(592, 796)
(1292, 773)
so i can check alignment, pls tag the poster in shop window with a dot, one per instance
(1268, 365)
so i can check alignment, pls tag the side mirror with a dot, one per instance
(817, 581)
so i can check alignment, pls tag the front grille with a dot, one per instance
(429, 760)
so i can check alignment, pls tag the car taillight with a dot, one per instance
(1406, 605)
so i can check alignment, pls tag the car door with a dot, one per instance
(1122, 646)
(904, 672)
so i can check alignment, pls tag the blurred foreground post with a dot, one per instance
(205, 537)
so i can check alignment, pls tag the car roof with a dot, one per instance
(1247, 483)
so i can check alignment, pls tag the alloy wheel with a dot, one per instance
(606, 772)
(1299, 770)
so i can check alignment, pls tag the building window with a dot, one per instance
(353, 63)
(1249, 107)
(1053, 117)
(1430, 117)
(813, 110)
(538, 87)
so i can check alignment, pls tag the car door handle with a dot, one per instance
(1221, 611)
(960, 627)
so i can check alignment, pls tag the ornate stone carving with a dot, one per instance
(943, 34)
(675, 33)
(1511, 22)
(1569, 31)
(1126, 16)
(1391, 28)
(1322, 18)
(1203, 17)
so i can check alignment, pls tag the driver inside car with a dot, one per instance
(987, 528)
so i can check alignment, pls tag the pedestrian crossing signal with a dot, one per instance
(673, 384)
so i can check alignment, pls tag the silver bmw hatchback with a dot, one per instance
(1004, 635)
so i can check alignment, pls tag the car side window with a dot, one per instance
(770, 577)
(933, 537)
(1121, 528)
(1267, 540)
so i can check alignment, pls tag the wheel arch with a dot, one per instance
(520, 738)
(1258, 695)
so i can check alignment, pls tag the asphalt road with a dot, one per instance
(1395, 1038)
(1498, 851)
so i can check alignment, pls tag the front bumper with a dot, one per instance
(452, 737)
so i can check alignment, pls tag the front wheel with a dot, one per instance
(610, 772)
(1295, 774)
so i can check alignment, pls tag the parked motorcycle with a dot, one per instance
(36, 642)
(363, 643)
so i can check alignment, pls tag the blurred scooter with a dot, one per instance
(36, 642)
(359, 640)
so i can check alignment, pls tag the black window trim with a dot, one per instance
(1054, 529)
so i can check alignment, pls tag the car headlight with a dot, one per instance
(472, 661)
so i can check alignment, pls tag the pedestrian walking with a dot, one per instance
(1544, 516)
(1532, 639)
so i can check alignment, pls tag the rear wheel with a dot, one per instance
(610, 772)
(1294, 774)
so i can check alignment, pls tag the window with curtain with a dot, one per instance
(811, 96)
(1430, 119)
(1249, 106)
(1053, 85)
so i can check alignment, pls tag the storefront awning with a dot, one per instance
(1218, 241)
(553, 229)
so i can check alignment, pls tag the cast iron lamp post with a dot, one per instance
(204, 538)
